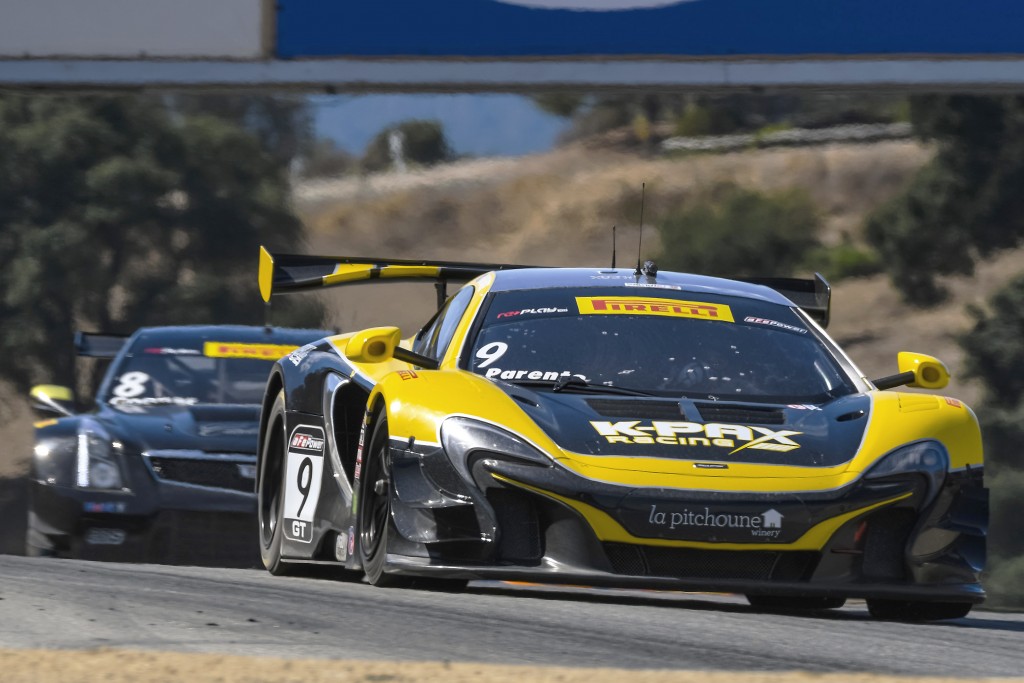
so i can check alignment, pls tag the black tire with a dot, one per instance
(375, 509)
(270, 489)
(914, 610)
(782, 603)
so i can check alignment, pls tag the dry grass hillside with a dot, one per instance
(558, 209)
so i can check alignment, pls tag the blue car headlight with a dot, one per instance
(927, 458)
(463, 436)
(96, 464)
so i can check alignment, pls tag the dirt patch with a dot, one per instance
(121, 666)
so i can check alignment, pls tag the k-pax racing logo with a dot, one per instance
(635, 305)
(736, 437)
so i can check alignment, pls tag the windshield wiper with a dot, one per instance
(578, 384)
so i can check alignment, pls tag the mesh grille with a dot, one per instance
(610, 407)
(221, 474)
(685, 563)
(712, 412)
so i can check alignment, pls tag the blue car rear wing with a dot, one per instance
(93, 345)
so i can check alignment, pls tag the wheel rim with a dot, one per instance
(375, 509)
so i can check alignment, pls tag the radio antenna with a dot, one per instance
(613, 246)
(640, 242)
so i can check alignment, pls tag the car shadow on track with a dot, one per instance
(695, 601)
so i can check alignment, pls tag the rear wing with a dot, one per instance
(286, 273)
(814, 296)
(93, 345)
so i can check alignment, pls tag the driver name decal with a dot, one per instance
(736, 437)
(635, 305)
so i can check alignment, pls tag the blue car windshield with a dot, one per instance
(153, 375)
(659, 341)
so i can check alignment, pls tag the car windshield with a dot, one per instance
(659, 341)
(210, 372)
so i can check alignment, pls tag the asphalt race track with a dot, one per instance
(47, 603)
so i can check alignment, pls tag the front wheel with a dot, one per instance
(913, 610)
(375, 509)
(270, 489)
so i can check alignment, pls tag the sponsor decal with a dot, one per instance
(269, 352)
(341, 547)
(154, 401)
(610, 277)
(696, 434)
(673, 308)
(953, 402)
(774, 323)
(351, 540)
(44, 423)
(408, 374)
(531, 311)
(303, 475)
(768, 524)
(653, 285)
(710, 466)
(106, 506)
(161, 351)
(803, 406)
(307, 442)
(297, 355)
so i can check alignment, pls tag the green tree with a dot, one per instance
(964, 205)
(117, 212)
(421, 142)
(994, 354)
(738, 232)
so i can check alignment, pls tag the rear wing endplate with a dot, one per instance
(814, 296)
(286, 273)
(93, 345)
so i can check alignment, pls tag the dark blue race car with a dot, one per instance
(163, 469)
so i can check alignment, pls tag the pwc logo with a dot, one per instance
(633, 305)
(594, 5)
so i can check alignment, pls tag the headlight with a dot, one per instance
(462, 436)
(96, 464)
(928, 458)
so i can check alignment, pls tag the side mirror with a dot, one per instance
(379, 344)
(916, 370)
(929, 372)
(374, 345)
(52, 399)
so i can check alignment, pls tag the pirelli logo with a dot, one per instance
(269, 352)
(634, 305)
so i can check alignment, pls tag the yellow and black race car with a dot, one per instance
(618, 428)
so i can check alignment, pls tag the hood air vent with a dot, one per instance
(716, 412)
(655, 410)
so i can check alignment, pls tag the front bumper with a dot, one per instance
(883, 539)
(165, 523)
